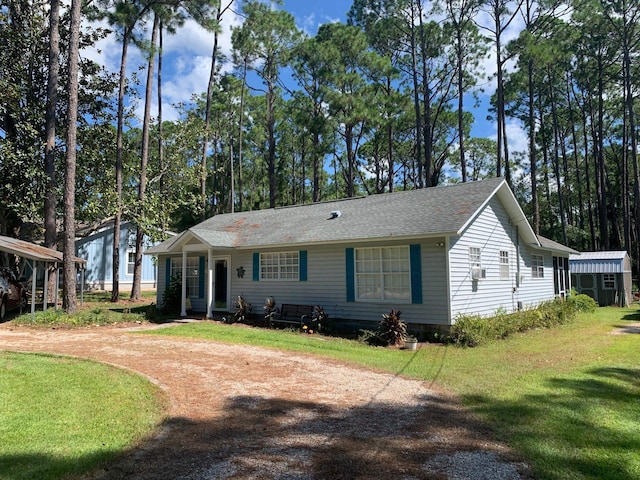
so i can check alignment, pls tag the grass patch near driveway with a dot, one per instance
(565, 398)
(61, 416)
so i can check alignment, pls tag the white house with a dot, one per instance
(433, 253)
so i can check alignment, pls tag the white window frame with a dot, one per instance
(131, 262)
(537, 266)
(505, 272)
(475, 264)
(193, 274)
(131, 251)
(383, 274)
(609, 278)
(280, 266)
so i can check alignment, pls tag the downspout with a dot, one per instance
(517, 289)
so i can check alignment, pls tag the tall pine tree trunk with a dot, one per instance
(50, 224)
(144, 160)
(115, 267)
(70, 303)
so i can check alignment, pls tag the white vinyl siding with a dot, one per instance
(492, 231)
(326, 286)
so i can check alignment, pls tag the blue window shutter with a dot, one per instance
(351, 274)
(303, 265)
(167, 273)
(201, 278)
(415, 258)
(256, 267)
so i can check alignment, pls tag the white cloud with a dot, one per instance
(517, 137)
(186, 60)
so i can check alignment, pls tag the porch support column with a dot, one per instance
(210, 285)
(183, 299)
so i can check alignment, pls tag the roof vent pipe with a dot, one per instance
(336, 214)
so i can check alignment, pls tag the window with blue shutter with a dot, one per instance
(286, 266)
(384, 274)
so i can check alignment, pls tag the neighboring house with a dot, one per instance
(97, 248)
(433, 253)
(604, 276)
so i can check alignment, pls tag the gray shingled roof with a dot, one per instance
(548, 244)
(426, 212)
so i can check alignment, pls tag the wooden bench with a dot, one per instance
(292, 315)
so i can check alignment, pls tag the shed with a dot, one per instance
(604, 276)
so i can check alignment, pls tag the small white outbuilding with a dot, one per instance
(604, 276)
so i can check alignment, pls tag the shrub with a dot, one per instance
(582, 302)
(371, 338)
(172, 297)
(473, 330)
(392, 330)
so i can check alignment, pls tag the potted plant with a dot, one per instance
(392, 330)
(410, 342)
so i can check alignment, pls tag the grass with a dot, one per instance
(565, 398)
(60, 416)
(97, 310)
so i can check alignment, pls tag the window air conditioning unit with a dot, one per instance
(478, 273)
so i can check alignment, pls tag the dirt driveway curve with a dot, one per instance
(239, 412)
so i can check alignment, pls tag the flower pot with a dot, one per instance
(410, 344)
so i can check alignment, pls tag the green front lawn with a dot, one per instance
(566, 398)
(60, 416)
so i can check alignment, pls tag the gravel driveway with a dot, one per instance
(239, 412)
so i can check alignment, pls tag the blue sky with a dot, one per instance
(187, 60)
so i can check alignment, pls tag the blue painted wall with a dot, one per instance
(97, 249)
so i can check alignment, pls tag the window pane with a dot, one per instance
(383, 274)
(504, 265)
(279, 266)
(537, 266)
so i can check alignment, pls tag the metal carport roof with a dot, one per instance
(32, 251)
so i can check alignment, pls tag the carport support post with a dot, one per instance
(55, 305)
(45, 288)
(34, 277)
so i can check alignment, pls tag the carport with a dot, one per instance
(40, 257)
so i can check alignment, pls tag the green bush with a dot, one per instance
(582, 302)
(172, 298)
(473, 330)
